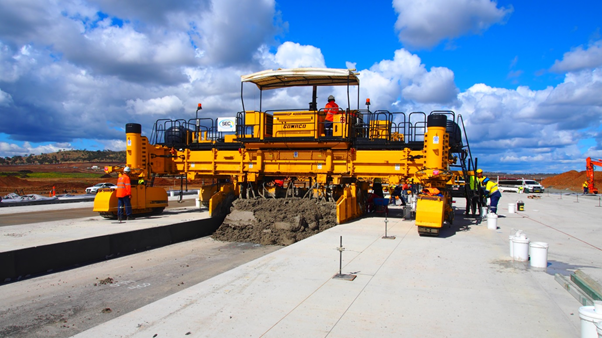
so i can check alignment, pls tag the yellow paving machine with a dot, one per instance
(298, 153)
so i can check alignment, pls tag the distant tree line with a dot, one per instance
(66, 156)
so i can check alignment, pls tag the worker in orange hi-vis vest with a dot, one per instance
(331, 109)
(124, 194)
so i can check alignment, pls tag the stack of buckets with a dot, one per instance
(521, 248)
(591, 320)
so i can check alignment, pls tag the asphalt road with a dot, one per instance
(57, 215)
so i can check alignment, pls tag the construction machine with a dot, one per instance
(589, 167)
(297, 152)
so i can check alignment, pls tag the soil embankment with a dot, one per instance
(571, 180)
(276, 221)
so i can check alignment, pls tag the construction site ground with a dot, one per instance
(460, 284)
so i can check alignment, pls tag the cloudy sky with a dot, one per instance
(525, 75)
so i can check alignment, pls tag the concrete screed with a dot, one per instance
(461, 284)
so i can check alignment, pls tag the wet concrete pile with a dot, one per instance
(276, 221)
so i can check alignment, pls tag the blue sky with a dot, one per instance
(526, 76)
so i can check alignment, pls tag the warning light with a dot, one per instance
(199, 107)
(367, 102)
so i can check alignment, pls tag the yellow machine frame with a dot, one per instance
(294, 144)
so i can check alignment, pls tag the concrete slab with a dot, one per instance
(16, 237)
(461, 284)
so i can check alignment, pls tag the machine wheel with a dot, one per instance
(157, 211)
(108, 215)
(426, 231)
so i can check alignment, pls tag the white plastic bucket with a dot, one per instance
(521, 249)
(511, 207)
(590, 315)
(539, 254)
(511, 239)
(198, 203)
(491, 221)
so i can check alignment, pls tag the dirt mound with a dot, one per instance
(276, 221)
(12, 181)
(571, 180)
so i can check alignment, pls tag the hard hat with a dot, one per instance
(126, 169)
(330, 98)
(479, 171)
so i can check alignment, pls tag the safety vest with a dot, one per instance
(585, 185)
(472, 181)
(490, 188)
(432, 191)
(331, 109)
(124, 186)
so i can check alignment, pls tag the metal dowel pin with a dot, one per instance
(577, 201)
(386, 236)
(599, 197)
(340, 275)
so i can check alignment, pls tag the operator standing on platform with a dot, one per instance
(491, 190)
(124, 194)
(331, 109)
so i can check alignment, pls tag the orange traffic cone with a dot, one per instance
(53, 191)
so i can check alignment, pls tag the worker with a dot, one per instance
(473, 197)
(490, 189)
(585, 188)
(398, 192)
(331, 109)
(124, 194)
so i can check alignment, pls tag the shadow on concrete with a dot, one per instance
(35, 261)
(564, 269)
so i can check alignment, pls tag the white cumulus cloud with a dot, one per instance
(157, 106)
(423, 24)
(579, 59)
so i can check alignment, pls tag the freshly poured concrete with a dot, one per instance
(461, 284)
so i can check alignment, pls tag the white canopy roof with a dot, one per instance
(280, 78)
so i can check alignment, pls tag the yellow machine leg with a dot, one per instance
(430, 214)
(216, 202)
(144, 200)
(348, 206)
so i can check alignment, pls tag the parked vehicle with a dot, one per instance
(528, 186)
(94, 189)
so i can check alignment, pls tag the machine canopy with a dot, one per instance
(281, 78)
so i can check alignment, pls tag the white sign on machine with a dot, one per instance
(226, 124)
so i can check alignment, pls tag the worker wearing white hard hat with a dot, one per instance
(124, 195)
(330, 109)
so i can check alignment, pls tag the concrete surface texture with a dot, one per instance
(461, 284)
(15, 237)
